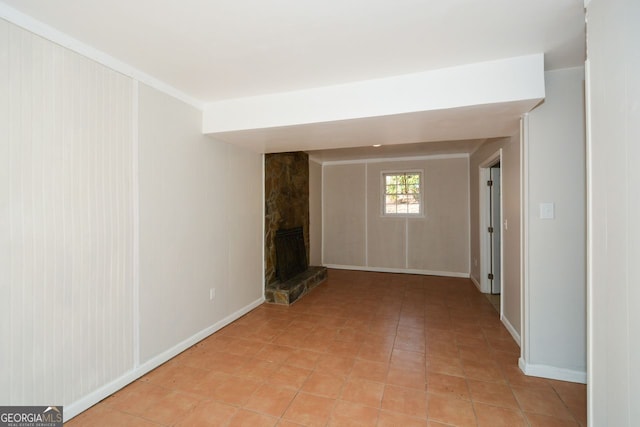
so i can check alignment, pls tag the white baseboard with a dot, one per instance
(552, 372)
(511, 329)
(105, 391)
(398, 270)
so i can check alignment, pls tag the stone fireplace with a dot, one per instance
(287, 272)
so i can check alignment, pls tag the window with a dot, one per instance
(402, 193)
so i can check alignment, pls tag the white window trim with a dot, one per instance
(383, 187)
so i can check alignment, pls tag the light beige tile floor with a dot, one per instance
(362, 349)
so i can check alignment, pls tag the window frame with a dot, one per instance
(383, 193)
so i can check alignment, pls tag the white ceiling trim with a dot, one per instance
(391, 159)
(46, 31)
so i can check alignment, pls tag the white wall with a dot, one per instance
(511, 237)
(344, 214)
(613, 85)
(67, 223)
(196, 231)
(510, 170)
(315, 213)
(514, 79)
(106, 262)
(357, 235)
(481, 100)
(555, 262)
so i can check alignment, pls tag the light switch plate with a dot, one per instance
(547, 210)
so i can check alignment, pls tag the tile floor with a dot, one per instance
(362, 349)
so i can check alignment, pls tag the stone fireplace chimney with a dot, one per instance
(287, 228)
(286, 202)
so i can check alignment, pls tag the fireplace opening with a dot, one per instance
(291, 254)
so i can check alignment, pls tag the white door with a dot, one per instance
(496, 226)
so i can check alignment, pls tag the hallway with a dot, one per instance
(362, 349)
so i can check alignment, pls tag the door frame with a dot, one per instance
(485, 241)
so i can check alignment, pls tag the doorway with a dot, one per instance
(494, 229)
(491, 229)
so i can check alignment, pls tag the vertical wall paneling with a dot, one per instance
(315, 212)
(366, 216)
(385, 236)
(5, 231)
(67, 234)
(344, 212)
(263, 212)
(525, 344)
(201, 216)
(323, 214)
(135, 205)
(86, 155)
(245, 262)
(356, 235)
(469, 204)
(613, 123)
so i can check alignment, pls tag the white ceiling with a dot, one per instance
(220, 49)
(212, 50)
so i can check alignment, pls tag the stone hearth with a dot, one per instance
(293, 289)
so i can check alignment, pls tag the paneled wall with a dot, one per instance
(344, 214)
(117, 217)
(67, 203)
(315, 213)
(197, 231)
(613, 123)
(357, 235)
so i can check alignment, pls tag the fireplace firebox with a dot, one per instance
(291, 254)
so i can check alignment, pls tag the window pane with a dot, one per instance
(402, 193)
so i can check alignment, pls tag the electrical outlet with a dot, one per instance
(212, 293)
